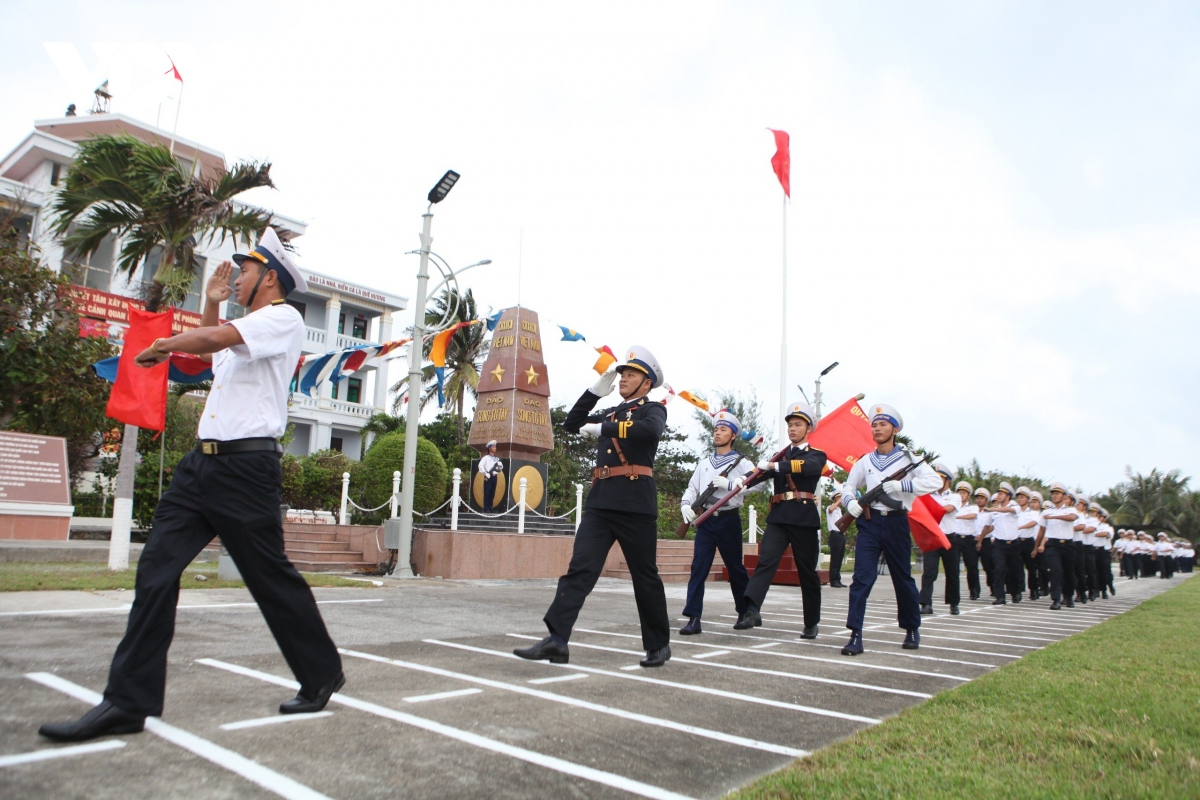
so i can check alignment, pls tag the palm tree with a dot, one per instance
(465, 354)
(143, 196)
(1148, 500)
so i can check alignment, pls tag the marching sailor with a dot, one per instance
(1054, 543)
(951, 502)
(1104, 545)
(1038, 505)
(1164, 552)
(1006, 555)
(1085, 561)
(229, 486)
(490, 468)
(1027, 525)
(964, 536)
(722, 531)
(622, 507)
(793, 520)
(886, 532)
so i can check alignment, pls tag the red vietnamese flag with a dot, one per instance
(139, 395)
(844, 434)
(781, 162)
(924, 521)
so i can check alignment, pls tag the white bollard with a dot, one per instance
(343, 518)
(395, 493)
(455, 499)
(753, 525)
(578, 505)
(521, 511)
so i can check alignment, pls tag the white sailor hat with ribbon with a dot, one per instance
(958, 487)
(728, 420)
(1036, 496)
(272, 255)
(1023, 490)
(643, 361)
(983, 490)
(802, 410)
(1094, 507)
(490, 444)
(888, 414)
(1058, 486)
(1007, 488)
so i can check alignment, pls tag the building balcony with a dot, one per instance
(303, 402)
(317, 341)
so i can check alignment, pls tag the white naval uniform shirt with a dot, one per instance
(1164, 549)
(833, 514)
(1025, 517)
(873, 469)
(1090, 525)
(710, 468)
(249, 395)
(982, 520)
(1104, 541)
(1004, 525)
(949, 523)
(490, 463)
(1061, 529)
(964, 523)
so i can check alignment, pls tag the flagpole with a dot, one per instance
(783, 337)
(175, 129)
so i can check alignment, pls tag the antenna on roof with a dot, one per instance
(100, 106)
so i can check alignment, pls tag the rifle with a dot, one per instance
(752, 476)
(865, 501)
(682, 530)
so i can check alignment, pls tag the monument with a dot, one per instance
(514, 409)
(35, 490)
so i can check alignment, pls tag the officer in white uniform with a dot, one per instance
(722, 531)
(229, 486)
(490, 467)
(886, 532)
(1054, 543)
(1027, 525)
(1006, 555)
(1164, 551)
(964, 536)
(951, 502)
(1104, 546)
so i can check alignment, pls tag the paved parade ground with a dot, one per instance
(436, 705)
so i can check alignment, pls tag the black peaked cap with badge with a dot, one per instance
(798, 470)
(632, 429)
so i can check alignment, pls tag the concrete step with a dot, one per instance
(325, 556)
(317, 544)
(330, 566)
(310, 532)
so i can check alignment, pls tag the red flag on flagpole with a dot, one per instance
(781, 162)
(174, 69)
(844, 434)
(924, 523)
(139, 395)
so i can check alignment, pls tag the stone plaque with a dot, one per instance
(514, 391)
(33, 469)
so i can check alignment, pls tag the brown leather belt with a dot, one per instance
(780, 498)
(631, 470)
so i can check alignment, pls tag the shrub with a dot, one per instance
(386, 456)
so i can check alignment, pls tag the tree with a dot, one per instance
(569, 463)
(749, 412)
(47, 385)
(386, 456)
(465, 353)
(1147, 501)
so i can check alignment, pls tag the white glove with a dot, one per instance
(591, 429)
(854, 508)
(893, 490)
(688, 514)
(766, 466)
(727, 484)
(605, 384)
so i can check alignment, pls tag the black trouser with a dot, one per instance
(1043, 573)
(1104, 568)
(1006, 561)
(989, 563)
(489, 492)
(970, 560)
(1168, 566)
(235, 497)
(837, 552)
(929, 573)
(1149, 565)
(1135, 565)
(1070, 579)
(805, 552)
(1025, 547)
(719, 532)
(1083, 572)
(1059, 558)
(638, 536)
(1126, 563)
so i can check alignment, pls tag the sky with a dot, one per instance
(994, 214)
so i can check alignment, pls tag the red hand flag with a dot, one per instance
(781, 162)
(139, 395)
(844, 434)
(923, 522)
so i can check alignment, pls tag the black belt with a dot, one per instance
(214, 447)
(722, 512)
(889, 512)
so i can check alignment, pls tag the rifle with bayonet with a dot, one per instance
(704, 497)
(865, 501)
(751, 477)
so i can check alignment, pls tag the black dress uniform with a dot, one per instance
(793, 520)
(622, 507)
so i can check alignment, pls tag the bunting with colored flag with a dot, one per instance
(781, 162)
(569, 335)
(493, 320)
(605, 361)
(184, 369)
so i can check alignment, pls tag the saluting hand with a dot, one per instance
(219, 289)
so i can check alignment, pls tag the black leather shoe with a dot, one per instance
(809, 632)
(974, 595)
(1055, 606)
(836, 585)
(912, 641)
(926, 609)
(103, 720)
(853, 647)
(656, 658)
(1069, 603)
(1017, 597)
(1033, 594)
(545, 650)
(304, 704)
(692, 628)
(999, 601)
(1113, 591)
(750, 619)
(954, 609)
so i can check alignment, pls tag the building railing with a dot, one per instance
(366, 411)
(314, 336)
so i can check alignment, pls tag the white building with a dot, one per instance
(338, 313)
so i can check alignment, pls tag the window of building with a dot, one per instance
(296, 304)
(94, 271)
(55, 173)
(354, 390)
(335, 443)
(360, 328)
(342, 324)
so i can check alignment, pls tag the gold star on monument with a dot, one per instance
(531, 376)
(498, 373)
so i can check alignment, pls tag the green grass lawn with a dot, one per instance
(17, 576)
(1110, 712)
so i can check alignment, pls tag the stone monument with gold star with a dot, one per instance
(514, 410)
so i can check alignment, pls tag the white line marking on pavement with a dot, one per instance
(578, 703)
(794, 675)
(482, 742)
(710, 653)
(60, 752)
(689, 687)
(425, 698)
(942, 628)
(632, 666)
(275, 720)
(839, 647)
(125, 609)
(762, 646)
(557, 679)
(252, 771)
(882, 629)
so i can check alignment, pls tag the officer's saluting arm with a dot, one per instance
(650, 427)
(578, 415)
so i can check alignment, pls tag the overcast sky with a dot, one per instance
(995, 205)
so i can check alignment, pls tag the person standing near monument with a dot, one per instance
(837, 546)
(490, 467)
(621, 507)
(229, 486)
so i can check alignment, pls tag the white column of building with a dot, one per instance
(381, 365)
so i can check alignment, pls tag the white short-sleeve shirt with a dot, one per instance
(249, 395)
(949, 523)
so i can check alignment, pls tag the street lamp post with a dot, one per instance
(817, 392)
